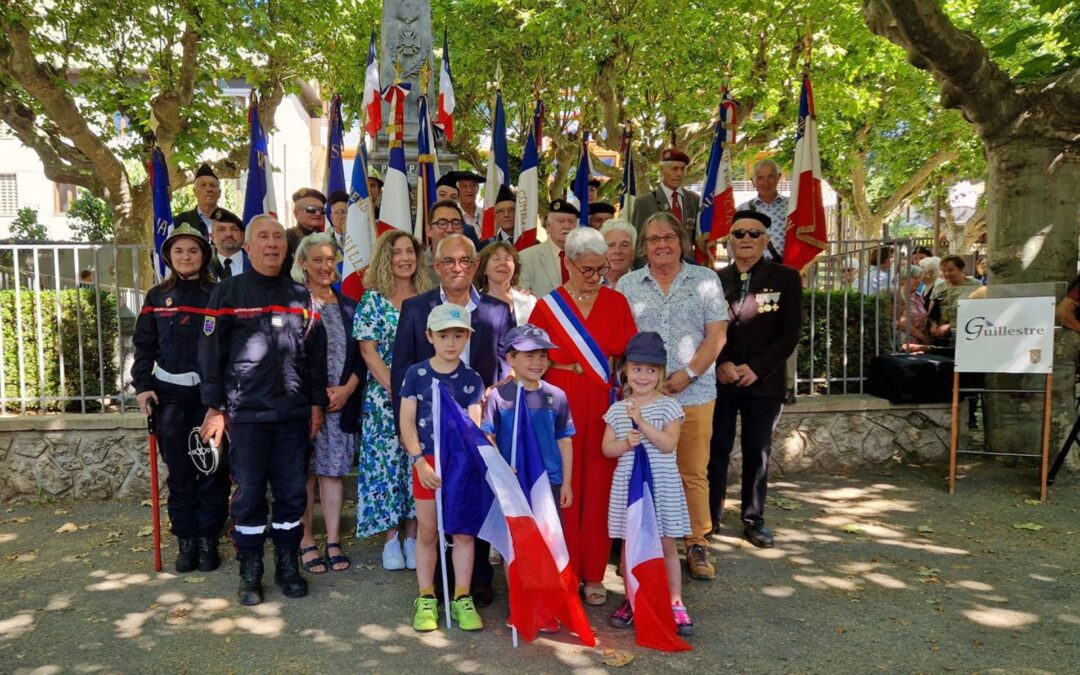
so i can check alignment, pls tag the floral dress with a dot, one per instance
(383, 495)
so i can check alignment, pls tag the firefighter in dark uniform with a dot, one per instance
(765, 316)
(263, 367)
(165, 373)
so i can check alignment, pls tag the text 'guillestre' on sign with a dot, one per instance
(1005, 335)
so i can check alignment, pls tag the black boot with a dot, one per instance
(287, 572)
(209, 560)
(251, 571)
(188, 556)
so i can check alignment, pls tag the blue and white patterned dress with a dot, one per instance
(334, 449)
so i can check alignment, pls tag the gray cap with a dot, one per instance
(647, 347)
(448, 315)
(525, 338)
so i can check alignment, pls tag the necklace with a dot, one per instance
(580, 296)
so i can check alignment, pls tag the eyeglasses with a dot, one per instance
(443, 224)
(312, 210)
(464, 263)
(591, 272)
(753, 234)
(662, 239)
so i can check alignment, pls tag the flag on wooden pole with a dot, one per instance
(528, 194)
(806, 228)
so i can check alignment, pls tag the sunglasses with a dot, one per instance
(753, 234)
(313, 209)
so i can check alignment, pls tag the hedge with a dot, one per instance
(78, 310)
(834, 322)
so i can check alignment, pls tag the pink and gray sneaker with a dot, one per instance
(684, 625)
(623, 617)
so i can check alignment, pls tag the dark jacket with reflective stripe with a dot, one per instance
(167, 333)
(263, 356)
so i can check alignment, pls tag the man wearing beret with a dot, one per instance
(543, 266)
(600, 213)
(468, 185)
(207, 193)
(765, 309)
(505, 208)
(594, 189)
(446, 187)
(227, 236)
(670, 195)
(309, 212)
(374, 188)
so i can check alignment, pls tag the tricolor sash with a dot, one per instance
(582, 345)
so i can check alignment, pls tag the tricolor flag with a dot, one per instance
(806, 229)
(629, 179)
(372, 102)
(335, 144)
(259, 189)
(427, 169)
(482, 497)
(163, 221)
(446, 93)
(395, 211)
(581, 180)
(498, 168)
(718, 197)
(645, 575)
(358, 244)
(528, 194)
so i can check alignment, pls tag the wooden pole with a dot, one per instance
(955, 432)
(938, 206)
(1048, 406)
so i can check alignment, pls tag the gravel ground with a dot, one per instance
(874, 572)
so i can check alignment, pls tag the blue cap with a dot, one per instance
(647, 347)
(525, 338)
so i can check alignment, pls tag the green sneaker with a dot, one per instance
(426, 618)
(463, 611)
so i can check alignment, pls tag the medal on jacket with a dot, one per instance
(168, 302)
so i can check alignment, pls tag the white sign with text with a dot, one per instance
(1005, 335)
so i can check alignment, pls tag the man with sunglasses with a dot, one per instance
(764, 301)
(309, 212)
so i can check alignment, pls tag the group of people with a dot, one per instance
(615, 336)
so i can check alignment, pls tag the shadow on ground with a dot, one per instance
(876, 572)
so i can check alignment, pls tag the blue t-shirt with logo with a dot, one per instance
(464, 385)
(549, 412)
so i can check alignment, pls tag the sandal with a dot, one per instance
(317, 561)
(337, 559)
(595, 594)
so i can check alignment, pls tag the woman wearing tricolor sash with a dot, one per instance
(590, 324)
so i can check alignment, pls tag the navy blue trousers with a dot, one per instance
(759, 417)
(198, 504)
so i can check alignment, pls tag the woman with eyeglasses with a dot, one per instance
(591, 325)
(497, 274)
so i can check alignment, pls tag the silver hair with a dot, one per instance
(457, 238)
(622, 225)
(766, 162)
(583, 241)
(930, 263)
(257, 218)
(306, 244)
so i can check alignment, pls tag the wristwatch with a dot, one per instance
(691, 374)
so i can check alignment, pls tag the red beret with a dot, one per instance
(674, 155)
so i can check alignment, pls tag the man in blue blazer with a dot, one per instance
(455, 261)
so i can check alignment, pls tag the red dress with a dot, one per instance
(611, 325)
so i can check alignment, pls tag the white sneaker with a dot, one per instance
(410, 552)
(392, 559)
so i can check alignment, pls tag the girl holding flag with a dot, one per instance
(648, 417)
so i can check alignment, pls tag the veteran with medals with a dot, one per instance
(765, 310)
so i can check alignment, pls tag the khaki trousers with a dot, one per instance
(692, 456)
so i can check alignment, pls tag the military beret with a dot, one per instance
(338, 196)
(469, 175)
(674, 155)
(205, 170)
(308, 192)
(752, 215)
(563, 206)
(447, 180)
(226, 216)
(505, 195)
(595, 182)
(601, 207)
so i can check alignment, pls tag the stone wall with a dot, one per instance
(106, 456)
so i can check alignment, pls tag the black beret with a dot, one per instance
(226, 216)
(563, 206)
(338, 196)
(752, 215)
(601, 207)
(447, 180)
(308, 192)
(595, 182)
(205, 170)
(505, 195)
(469, 175)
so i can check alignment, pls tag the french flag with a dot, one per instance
(372, 101)
(806, 228)
(718, 200)
(358, 244)
(645, 574)
(628, 197)
(335, 144)
(395, 210)
(498, 168)
(259, 189)
(445, 114)
(528, 195)
(581, 180)
(482, 497)
(163, 220)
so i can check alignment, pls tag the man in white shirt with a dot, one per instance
(773, 204)
(227, 236)
(543, 266)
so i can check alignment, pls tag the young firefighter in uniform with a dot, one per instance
(449, 328)
(165, 373)
(526, 350)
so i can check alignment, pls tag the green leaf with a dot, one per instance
(924, 529)
(1034, 527)
(1007, 46)
(851, 528)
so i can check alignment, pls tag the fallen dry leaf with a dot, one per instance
(851, 528)
(17, 520)
(145, 531)
(67, 527)
(61, 512)
(618, 659)
(924, 528)
(194, 580)
(1034, 527)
